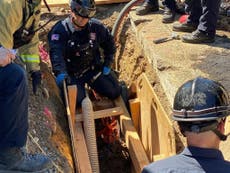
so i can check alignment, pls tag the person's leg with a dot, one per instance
(13, 106)
(80, 83)
(206, 30)
(14, 123)
(106, 85)
(147, 7)
(208, 19)
(194, 10)
(169, 11)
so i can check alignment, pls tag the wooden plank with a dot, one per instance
(156, 131)
(80, 153)
(103, 113)
(62, 3)
(136, 150)
(134, 105)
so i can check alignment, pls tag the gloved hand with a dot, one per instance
(6, 57)
(106, 70)
(36, 80)
(60, 78)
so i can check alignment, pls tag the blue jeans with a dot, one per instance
(13, 106)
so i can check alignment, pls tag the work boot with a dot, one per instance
(147, 8)
(198, 37)
(184, 27)
(169, 15)
(15, 160)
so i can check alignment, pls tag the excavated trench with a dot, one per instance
(49, 131)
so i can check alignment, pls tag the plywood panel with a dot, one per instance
(156, 129)
(132, 140)
(134, 105)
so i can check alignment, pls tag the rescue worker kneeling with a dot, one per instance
(75, 51)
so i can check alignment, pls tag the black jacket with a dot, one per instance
(73, 50)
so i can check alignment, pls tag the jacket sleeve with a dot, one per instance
(57, 39)
(10, 20)
(107, 43)
(30, 52)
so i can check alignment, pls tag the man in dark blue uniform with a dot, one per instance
(170, 9)
(82, 50)
(200, 108)
(202, 20)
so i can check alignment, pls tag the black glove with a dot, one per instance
(36, 80)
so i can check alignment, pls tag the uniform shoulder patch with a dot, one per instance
(55, 37)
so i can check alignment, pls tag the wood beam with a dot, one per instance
(79, 149)
(133, 142)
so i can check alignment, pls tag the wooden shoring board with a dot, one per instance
(156, 129)
(80, 152)
(103, 113)
(60, 3)
(136, 149)
(135, 109)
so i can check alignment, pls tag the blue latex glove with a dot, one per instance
(60, 78)
(36, 80)
(106, 70)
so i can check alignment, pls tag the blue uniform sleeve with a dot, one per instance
(106, 42)
(57, 39)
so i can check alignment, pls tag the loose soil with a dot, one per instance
(49, 132)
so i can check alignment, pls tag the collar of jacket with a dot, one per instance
(203, 152)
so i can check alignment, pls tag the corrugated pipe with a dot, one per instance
(89, 129)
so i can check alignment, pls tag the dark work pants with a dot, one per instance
(171, 4)
(106, 85)
(13, 106)
(204, 13)
(152, 2)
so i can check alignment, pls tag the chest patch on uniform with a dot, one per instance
(55, 37)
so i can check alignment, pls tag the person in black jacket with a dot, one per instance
(82, 50)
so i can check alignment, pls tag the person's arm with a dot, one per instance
(30, 52)
(108, 45)
(106, 42)
(11, 15)
(57, 42)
